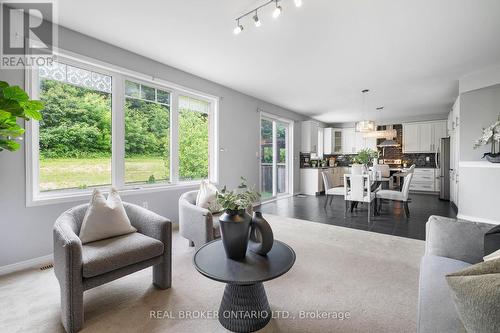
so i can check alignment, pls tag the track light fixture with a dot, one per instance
(238, 28)
(276, 13)
(256, 20)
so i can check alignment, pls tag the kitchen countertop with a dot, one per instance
(326, 167)
(348, 166)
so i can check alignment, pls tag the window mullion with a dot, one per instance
(174, 138)
(275, 159)
(118, 132)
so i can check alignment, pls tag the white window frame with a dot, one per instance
(35, 198)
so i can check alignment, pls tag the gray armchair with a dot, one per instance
(81, 267)
(196, 224)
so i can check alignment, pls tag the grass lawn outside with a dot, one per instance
(65, 173)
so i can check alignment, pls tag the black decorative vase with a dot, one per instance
(261, 235)
(235, 229)
(493, 158)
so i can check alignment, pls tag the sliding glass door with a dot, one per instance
(274, 157)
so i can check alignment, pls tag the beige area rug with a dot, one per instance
(370, 276)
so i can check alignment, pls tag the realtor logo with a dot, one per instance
(28, 33)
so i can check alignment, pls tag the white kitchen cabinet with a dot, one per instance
(425, 180)
(337, 141)
(370, 143)
(423, 137)
(353, 142)
(439, 132)
(332, 141)
(411, 140)
(311, 180)
(348, 141)
(328, 142)
(360, 141)
(309, 137)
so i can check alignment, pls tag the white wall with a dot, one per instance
(479, 180)
(27, 232)
(479, 196)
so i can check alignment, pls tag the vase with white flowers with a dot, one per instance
(491, 135)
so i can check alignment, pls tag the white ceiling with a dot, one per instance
(314, 60)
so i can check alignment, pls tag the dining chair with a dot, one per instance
(393, 195)
(358, 189)
(385, 174)
(330, 190)
(400, 175)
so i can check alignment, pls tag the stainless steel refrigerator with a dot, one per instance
(444, 164)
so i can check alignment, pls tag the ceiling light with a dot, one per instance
(277, 11)
(365, 126)
(298, 3)
(256, 20)
(238, 28)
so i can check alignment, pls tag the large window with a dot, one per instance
(75, 132)
(102, 128)
(193, 138)
(147, 134)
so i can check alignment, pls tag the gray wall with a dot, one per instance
(27, 232)
(478, 109)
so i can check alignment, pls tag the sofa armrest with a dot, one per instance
(151, 224)
(67, 254)
(195, 223)
(456, 239)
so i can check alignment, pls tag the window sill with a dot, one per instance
(58, 197)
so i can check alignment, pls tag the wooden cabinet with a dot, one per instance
(309, 137)
(338, 175)
(423, 137)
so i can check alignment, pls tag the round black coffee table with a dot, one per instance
(244, 306)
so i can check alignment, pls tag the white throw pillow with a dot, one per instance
(207, 195)
(105, 218)
(492, 256)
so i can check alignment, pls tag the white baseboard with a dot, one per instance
(476, 219)
(31, 263)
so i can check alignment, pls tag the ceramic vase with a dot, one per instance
(261, 235)
(235, 229)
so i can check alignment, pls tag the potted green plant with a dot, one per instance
(365, 156)
(491, 135)
(235, 221)
(15, 104)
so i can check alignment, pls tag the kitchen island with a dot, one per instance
(311, 181)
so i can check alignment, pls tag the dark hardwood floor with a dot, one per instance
(391, 221)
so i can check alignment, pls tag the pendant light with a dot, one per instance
(388, 133)
(365, 126)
